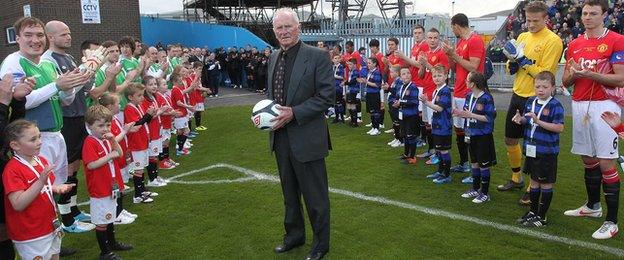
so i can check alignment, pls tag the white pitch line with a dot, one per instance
(253, 175)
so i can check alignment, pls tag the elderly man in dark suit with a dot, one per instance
(300, 80)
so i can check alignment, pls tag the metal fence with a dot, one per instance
(501, 79)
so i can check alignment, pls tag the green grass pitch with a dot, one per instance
(244, 220)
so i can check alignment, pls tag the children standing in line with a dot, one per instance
(119, 130)
(441, 123)
(154, 126)
(407, 103)
(544, 122)
(373, 95)
(163, 98)
(339, 105)
(138, 139)
(178, 93)
(392, 89)
(479, 112)
(352, 86)
(103, 178)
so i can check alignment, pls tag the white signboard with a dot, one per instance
(90, 11)
(27, 11)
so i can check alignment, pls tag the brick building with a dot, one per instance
(117, 18)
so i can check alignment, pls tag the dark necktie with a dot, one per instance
(278, 81)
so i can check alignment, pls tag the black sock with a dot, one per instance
(612, 197)
(412, 149)
(485, 180)
(63, 201)
(137, 182)
(73, 192)
(429, 137)
(119, 208)
(445, 161)
(198, 118)
(161, 156)
(6, 249)
(102, 239)
(152, 171)
(534, 193)
(166, 152)
(110, 234)
(476, 179)
(462, 148)
(190, 123)
(181, 140)
(593, 178)
(547, 195)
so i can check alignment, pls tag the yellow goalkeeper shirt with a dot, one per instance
(544, 49)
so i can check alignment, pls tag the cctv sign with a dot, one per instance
(90, 11)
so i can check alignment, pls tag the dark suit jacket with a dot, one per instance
(310, 93)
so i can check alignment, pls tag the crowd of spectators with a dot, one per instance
(244, 67)
(565, 19)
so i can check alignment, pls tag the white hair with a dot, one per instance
(286, 11)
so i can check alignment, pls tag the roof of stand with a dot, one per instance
(247, 3)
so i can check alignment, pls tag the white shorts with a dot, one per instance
(41, 248)
(421, 106)
(120, 116)
(427, 114)
(155, 147)
(139, 159)
(53, 148)
(458, 103)
(180, 123)
(165, 135)
(103, 210)
(594, 137)
(199, 106)
(125, 173)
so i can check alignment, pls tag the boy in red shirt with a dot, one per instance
(119, 130)
(164, 99)
(154, 126)
(29, 203)
(103, 178)
(178, 93)
(138, 139)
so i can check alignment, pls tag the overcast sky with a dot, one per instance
(472, 8)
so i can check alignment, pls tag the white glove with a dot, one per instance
(93, 58)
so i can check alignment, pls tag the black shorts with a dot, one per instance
(513, 130)
(74, 132)
(542, 169)
(482, 150)
(409, 125)
(352, 98)
(373, 102)
(442, 142)
(339, 97)
(394, 114)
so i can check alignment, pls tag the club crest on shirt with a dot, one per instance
(537, 49)
(434, 58)
(602, 47)
(546, 112)
(109, 216)
(479, 107)
(38, 257)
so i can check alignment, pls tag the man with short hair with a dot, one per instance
(428, 58)
(596, 65)
(468, 55)
(300, 138)
(73, 130)
(541, 52)
(50, 90)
